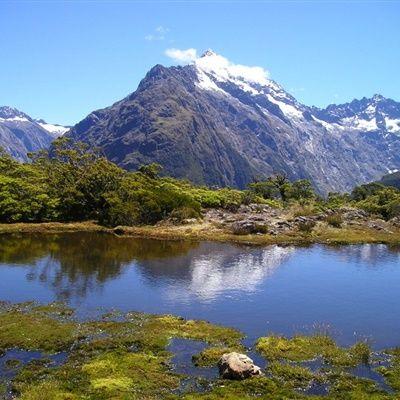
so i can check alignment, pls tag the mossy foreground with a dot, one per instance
(128, 359)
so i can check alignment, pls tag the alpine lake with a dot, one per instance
(97, 316)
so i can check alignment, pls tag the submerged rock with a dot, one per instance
(237, 366)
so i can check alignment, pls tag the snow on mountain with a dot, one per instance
(219, 70)
(20, 134)
(392, 125)
(12, 114)
(367, 115)
(56, 130)
(214, 72)
(220, 123)
(376, 114)
(223, 70)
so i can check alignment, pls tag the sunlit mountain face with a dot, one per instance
(219, 123)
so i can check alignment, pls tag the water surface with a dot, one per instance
(353, 291)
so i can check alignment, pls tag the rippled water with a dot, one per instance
(353, 291)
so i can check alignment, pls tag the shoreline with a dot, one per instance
(203, 231)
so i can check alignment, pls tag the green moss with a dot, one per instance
(3, 390)
(54, 309)
(32, 331)
(189, 329)
(253, 388)
(129, 360)
(115, 374)
(48, 390)
(152, 333)
(12, 363)
(303, 348)
(347, 387)
(392, 372)
(293, 375)
(299, 348)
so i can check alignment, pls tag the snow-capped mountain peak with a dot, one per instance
(375, 114)
(217, 73)
(12, 114)
(209, 53)
(224, 70)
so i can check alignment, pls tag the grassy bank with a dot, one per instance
(207, 231)
(52, 227)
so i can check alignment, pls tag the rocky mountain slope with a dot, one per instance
(20, 134)
(217, 123)
(392, 179)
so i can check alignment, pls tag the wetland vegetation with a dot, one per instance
(127, 357)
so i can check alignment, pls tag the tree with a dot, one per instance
(266, 189)
(301, 190)
(152, 171)
(283, 185)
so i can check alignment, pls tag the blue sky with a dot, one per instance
(61, 60)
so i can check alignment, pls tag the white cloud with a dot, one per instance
(226, 69)
(220, 66)
(182, 56)
(159, 34)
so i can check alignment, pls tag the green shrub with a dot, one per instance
(334, 220)
(118, 212)
(299, 210)
(336, 200)
(384, 202)
(306, 226)
(182, 213)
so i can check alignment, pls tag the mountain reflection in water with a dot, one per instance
(282, 289)
(74, 264)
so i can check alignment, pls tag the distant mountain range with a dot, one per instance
(222, 124)
(20, 134)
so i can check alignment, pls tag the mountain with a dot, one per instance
(218, 123)
(392, 179)
(54, 129)
(20, 134)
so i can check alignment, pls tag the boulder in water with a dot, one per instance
(237, 366)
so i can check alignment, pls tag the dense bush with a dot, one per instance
(384, 202)
(279, 188)
(336, 200)
(306, 226)
(335, 220)
(73, 183)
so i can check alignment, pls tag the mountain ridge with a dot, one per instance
(224, 124)
(21, 134)
(218, 123)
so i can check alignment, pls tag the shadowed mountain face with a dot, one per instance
(20, 134)
(392, 179)
(213, 124)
